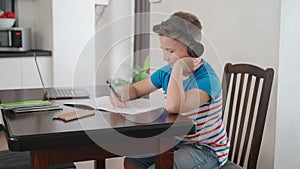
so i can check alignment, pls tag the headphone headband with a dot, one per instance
(179, 23)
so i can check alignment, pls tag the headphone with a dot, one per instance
(195, 49)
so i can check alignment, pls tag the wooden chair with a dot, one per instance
(246, 93)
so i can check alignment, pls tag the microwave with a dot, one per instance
(15, 39)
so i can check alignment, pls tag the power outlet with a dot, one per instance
(102, 2)
(155, 1)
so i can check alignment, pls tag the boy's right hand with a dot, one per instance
(116, 101)
(123, 97)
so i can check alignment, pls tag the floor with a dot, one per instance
(3, 144)
(114, 163)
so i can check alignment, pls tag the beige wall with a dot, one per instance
(114, 40)
(235, 31)
(287, 145)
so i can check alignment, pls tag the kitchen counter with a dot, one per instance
(25, 54)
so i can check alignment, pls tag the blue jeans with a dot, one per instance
(185, 157)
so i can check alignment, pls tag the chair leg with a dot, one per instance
(100, 164)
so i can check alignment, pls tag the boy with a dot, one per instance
(192, 89)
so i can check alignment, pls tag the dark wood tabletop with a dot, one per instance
(38, 130)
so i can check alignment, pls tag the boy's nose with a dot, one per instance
(166, 56)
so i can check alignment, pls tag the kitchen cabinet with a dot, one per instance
(20, 71)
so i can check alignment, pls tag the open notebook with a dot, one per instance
(131, 107)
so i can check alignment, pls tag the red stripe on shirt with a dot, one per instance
(221, 145)
(220, 138)
(222, 155)
(197, 135)
(202, 123)
(218, 127)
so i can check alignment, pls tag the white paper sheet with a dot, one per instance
(131, 107)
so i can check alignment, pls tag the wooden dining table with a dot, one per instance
(103, 135)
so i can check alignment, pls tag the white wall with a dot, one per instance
(114, 40)
(235, 31)
(74, 38)
(73, 27)
(287, 136)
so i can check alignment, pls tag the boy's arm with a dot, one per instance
(141, 88)
(133, 91)
(179, 101)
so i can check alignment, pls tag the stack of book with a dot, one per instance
(30, 106)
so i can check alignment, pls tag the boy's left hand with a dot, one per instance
(188, 65)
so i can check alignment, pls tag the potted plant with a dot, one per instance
(139, 73)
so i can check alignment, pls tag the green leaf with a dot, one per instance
(140, 76)
(120, 82)
(138, 69)
(146, 64)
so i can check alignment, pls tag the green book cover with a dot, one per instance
(24, 103)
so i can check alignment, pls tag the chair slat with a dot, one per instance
(243, 115)
(230, 110)
(249, 124)
(236, 114)
(225, 86)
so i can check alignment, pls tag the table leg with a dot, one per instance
(39, 159)
(165, 160)
(99, 164)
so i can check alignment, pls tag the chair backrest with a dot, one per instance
(246, 93)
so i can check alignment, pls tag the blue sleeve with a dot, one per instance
(211, 85)
(160, 78)
(156, 78)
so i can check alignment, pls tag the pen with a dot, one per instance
(113, 90)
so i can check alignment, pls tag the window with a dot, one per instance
(142, 31)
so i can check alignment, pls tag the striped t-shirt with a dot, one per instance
(210, 131)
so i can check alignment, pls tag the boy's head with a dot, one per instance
(186, 29)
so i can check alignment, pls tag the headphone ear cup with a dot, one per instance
(195, 49)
